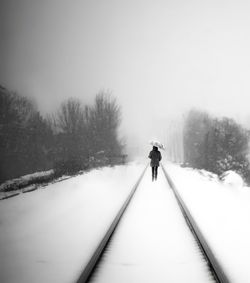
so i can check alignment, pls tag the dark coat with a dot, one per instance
(155, 157)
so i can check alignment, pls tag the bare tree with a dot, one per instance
(70, 143)
(70, 117)
(216, 144)
(24, 136)
(104, 121)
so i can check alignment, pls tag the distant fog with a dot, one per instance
(159, 58)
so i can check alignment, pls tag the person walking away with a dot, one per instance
(155, 156)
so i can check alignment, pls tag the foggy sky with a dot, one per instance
(157, 57)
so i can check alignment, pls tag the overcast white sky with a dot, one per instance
(157, 57)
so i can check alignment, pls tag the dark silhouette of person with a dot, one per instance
(155, 157)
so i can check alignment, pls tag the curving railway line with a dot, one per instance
(149, 240)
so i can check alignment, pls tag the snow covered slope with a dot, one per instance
(222, 212)
(48, 235)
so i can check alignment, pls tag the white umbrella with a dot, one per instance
(157, 144)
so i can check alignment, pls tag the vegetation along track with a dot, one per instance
(216, 269)
(90, 267)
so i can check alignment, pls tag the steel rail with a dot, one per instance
(214, 265)
(89, 268)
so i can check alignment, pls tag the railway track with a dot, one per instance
(212, 261)
(215, 270)
(90, 267)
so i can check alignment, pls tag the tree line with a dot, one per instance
(216, 145)
(75, 137)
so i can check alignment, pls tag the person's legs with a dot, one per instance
(156, 172)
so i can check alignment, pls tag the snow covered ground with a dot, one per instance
(222, 211)
(49, 234)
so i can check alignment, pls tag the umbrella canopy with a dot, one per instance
(157, 144)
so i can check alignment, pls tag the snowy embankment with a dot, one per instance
(31, 180)
(222, 211)
(49, 235)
